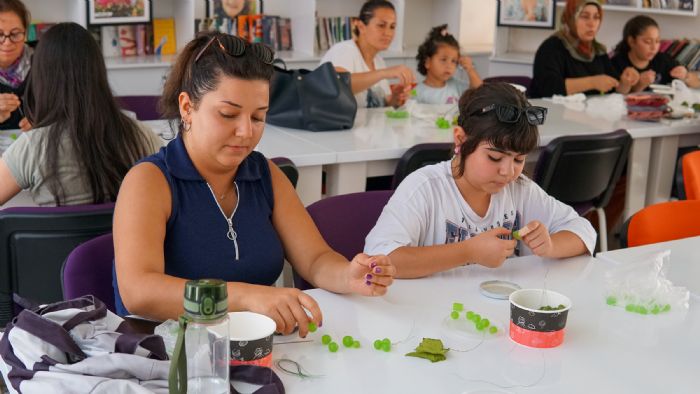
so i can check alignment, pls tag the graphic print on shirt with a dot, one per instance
(457, 233)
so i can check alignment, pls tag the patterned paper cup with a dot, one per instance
(251, 338)
(533, 327)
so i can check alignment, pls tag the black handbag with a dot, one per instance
(315, 100)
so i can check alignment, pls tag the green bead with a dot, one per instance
(348, 341)
(13, 136)
(454, 315)
(477, 318)
(326, 339)
(470, 315)
(666, 308)
(333, 347)
(655, 310)
(414, 93)
(356, 344)
(611, 300)
(457, 307)
(641, 310)
(454, 120)
(312, 326)
(378, 344)
(493, 329)
(630, 307)
(485, 322)
(386, 346)
(482, 324)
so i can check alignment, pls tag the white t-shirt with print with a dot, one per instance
(448, 94)
(428, 209)
(347, 55)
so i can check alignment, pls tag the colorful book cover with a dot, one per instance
(243, 28)
(164, 36)
(285, 34)
(256, 29)
(140, 39)
(269, 28)
(127, 39)
(110, 41)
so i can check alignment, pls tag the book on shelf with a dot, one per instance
(164, 36)
(685, 51)
(127, 39)
(332, 30)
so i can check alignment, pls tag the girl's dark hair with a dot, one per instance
(68, 93)
(17, 7)
(437, 36)
(520, 137)
(367, 12)
(197, 77)
(634, 28)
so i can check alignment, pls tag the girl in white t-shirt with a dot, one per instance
(374, 32)
(465, 210)
(438, 58)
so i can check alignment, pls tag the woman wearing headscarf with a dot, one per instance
(15, 62)
(573, 61)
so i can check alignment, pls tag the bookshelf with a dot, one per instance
(514, 48)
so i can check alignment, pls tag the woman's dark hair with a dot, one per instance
(17, 7)
(198, 73)
(68, 93)
(437, 36)
(634, 28)
(520, 137)
(367, 12)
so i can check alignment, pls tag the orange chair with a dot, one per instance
(662, 222)
(690, 168)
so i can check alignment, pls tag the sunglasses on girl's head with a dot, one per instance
(507, 113)
(236, 47)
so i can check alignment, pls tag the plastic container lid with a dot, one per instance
(498, 289)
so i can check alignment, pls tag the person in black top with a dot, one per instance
(15, 62)
(639, 48)
(572, 61)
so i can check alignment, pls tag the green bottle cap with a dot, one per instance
(206, 299)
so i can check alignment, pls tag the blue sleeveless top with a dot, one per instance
(198, 241)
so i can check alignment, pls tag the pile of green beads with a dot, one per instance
(349, 341)
(382, 344)
(642, 310)
(442, 123)
(396, 114)
(480, 323)
(552, 308)
(13, 136)
(312, 327)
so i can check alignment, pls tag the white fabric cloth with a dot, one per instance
(347, 55)
(448, 94)
(428, 209)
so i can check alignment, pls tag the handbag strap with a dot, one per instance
(266, 377)
(280, 61)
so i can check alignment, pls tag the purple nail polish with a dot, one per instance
(368, 276)
(374, 264)
(368, 283)
(378, 270)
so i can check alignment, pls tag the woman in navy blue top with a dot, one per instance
(209, 206)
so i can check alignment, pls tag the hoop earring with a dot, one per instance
(185, 125)
(456, 152)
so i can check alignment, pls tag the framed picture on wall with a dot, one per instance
(118, 12)
(537, 14)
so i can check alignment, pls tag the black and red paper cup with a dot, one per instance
(250, 338)
(537, 328)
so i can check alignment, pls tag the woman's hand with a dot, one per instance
(399, 95)
(8, 104)
(286, 306)
(402, 73)
(25, 125)
(604, 83)
(370, 275)
(490, 249)
(679, 72)
(538, 239)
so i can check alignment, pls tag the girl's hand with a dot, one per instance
(538, 239)
(286, 306)
(490, 249)
(370, 275)
(25, 125)
(466, 63)
(646, 78)
(629, 76)
(679, 72)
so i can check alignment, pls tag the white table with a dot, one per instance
(606, 349)
(684, 264)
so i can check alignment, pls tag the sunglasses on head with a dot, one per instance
(236, 47)
(507, 113)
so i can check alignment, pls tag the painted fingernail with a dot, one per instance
(374, 264)
(368, 276)
(377, 270)
(368, 283)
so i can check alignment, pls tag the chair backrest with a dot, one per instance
(689, 168)
(287, 166)
(88, 271)
(419, 156)
(344, 222)
(662, 222)
(583, 169)
(145, 107)
(521, 80)
(35, 241)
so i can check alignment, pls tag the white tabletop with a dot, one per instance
(683, 267)
(605, 348)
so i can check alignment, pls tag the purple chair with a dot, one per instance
(516, 79)
(88, 271)
(344, 221)
(34, 242)
(145, 107)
